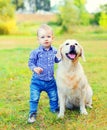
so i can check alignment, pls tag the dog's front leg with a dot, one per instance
(61, 106)
(82, 103)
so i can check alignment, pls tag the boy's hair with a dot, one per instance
(44, 27)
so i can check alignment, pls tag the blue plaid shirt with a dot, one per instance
(45, 59)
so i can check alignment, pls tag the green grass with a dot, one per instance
(15, 78)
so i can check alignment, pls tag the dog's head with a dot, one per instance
(71, 49)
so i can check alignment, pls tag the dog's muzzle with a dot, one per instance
(72, 53)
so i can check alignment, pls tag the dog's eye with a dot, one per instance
(67, 43)
(76, 44)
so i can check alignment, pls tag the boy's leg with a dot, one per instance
(34, 97)
(53, 96)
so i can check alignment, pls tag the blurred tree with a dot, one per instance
(68, 16)
(73, 12)
(18, 3)
(99, 18)
(94, 18)
(39, 4)
(83, 14)
(6, 10)
(103, 17)
(43, 5)
(104, 8)
(7, 22)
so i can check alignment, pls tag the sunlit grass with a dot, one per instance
(15, 79)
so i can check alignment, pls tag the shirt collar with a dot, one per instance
(43, 48)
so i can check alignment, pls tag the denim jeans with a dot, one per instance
(36, 87)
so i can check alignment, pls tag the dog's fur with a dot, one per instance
(73, 87)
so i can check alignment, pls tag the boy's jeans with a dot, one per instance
(36, 87)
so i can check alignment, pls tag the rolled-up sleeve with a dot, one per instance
(57, 60)
(32, 60)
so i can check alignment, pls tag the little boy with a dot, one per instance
(41, 62)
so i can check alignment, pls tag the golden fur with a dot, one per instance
(73, 87)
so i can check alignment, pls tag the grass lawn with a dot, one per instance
(15, 78)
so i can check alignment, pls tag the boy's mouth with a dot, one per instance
(46, 42)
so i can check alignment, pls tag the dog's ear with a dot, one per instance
(59, 53)
(82, 54)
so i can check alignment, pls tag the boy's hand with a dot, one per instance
(38, 70)
(58, 55)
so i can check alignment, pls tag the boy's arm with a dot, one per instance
(32, 60)
(57, 60)
(32, 63)
(57, 57)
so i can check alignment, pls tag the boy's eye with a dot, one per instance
(49, 36)
(42, 37)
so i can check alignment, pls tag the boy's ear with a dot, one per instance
(53, 37)
(82, 54)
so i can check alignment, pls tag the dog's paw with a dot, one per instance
(84, 112)
(61, 116)
(88, 105)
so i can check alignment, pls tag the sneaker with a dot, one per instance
(32, 118)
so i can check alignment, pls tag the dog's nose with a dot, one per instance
(72, 47)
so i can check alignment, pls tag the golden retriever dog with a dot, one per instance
(73, 87)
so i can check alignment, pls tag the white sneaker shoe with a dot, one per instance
(32, 118)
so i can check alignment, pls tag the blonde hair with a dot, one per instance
(45, 27)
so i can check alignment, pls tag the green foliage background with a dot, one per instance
(7, 20)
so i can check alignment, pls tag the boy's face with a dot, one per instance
(45, 38)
